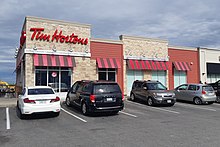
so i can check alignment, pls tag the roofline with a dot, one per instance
(33, 18)
(183, 48)
(215, 49)
(142, 38)
(106, 41)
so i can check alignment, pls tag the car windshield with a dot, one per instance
(156, 86)
(106, 88)
(40, 91)
(207, 88)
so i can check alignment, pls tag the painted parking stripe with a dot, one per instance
(7, 119)
(194, 106)
(156, 108)
(73, 115)
(128, 114)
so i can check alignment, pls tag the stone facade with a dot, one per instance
(141, 48)
(85, 69)
(50, 26)
(144, 47)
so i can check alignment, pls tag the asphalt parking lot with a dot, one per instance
(183, 125)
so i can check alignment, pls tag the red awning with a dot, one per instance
(54, 60)
(108, 63)
(181, 66)
(147, 65)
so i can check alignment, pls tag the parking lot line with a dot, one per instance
(73, 115)
(161, 109)
(7, 119)
(194, 106)
(127, 114)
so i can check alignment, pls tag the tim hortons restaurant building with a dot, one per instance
(58, 53)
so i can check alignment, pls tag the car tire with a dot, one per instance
(84, 109)
(197, 101)
(20, 115)
(132, 97)
(115, 112)
(68, 103)
(150, 101)
(56, 114)
(170, 105)
(218, 99)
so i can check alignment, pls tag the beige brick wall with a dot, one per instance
(143, 47)
(85, 69)
(29, 70)
(50, 26)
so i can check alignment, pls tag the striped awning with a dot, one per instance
(184, 66)
(108, 63)
(147, 65)
(54, 60)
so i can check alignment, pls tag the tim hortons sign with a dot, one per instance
(57, 36)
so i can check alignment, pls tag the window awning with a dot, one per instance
(54, 60)
(108, 63)
(184, 66)
(147, 65)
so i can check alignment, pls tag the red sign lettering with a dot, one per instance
(57, 36)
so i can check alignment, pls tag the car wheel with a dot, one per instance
(56, 114)
(150, 102)
(132, 97)
(84, 109)
(20, 115)
(218, 99)
(171, 104)
(68, 103)
(197, 101)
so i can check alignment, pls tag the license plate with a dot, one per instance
(109, 99)
(168, 101)
(42, 102)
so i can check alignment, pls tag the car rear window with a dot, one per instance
(40, 91)
(207, 88)
(106, 88)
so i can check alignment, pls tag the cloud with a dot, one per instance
(183, 23)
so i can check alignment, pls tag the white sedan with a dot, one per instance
(38, 99)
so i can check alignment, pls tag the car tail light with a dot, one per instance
(55, 100)
(203, 92)
(122, 96)
(26, 100)
(92, 98)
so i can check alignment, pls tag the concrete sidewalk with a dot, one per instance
(8, 102)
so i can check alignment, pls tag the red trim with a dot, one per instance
(52, 60)
(118, 63)
(105, 63)
(184, 66)
(36, 61)
(108, 63)
(158, 65)
(112, 63)
(143, 64)
(69, 60)
(61, 61)
(137, 64)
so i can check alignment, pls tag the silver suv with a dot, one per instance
(153, 92)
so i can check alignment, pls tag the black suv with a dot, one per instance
(153, 92)
(216, 87)
(96, 96)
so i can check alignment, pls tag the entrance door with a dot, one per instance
(133, 75)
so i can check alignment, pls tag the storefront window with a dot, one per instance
(58, 78)
(159, 76)
(107, 74)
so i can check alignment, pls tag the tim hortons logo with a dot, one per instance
(57, 36)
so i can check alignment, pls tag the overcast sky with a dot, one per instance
(190, 23)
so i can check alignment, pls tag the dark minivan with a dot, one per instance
(96, 96)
